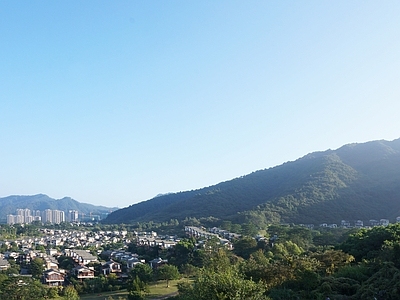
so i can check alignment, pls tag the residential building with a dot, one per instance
(53, 277)
(111, 267)
(82, 272)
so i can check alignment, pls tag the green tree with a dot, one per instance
(137, 289)
(66, 262)
(183, 252)
(188, 270)
(70, 293)
(143, 271)
(249, 229)
(52, 293)
(168, 272)
(236, 228)
(210, 285)
(332, 260)
(36, 267)
(368, 243)
(245, 246)
(40, 248)
(226, 225)
(17, 288)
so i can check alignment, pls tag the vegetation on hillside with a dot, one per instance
(357, 181)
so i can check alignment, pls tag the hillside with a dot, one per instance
(356, 181)
(41, 202)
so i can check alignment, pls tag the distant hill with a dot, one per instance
(8, 205)
(356, 181)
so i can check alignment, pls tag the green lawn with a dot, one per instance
(158, 289)
(104, 296)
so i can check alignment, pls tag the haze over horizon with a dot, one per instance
(112, 103)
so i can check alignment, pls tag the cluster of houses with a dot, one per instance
(151, 239)
(118, 262)
(354, 224)
(225, 237)
(70, 239)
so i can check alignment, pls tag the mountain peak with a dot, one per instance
(356, 181)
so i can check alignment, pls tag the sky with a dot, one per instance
(114, 102)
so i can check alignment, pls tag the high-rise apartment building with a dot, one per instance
(26, 216)
(73, 216)
(58, 216)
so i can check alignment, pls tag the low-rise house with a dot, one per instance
(345, 224)
(81, 257)
(168, 244)
(11, 254)
(374, 223)
(358, 224)
(51, 252)
(53, 277)
(384, 222)
(82, 272)
(133, 261)
(111, 267)
(50, 262)
(157, 262)
(4, 264)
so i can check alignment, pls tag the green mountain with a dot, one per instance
(354, 182)
(8, 205)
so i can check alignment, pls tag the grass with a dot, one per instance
(104, 296)
(157, 290)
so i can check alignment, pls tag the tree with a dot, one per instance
(332, 260)
(183, 252)
(245, 246)
(226, 225)
(210, 285)
(36, 267)
(143, 271)
(168, 272)
(367, 243)
(137, 289)
(70, 293)
(22, 289)
(66, 262)
(52, 293)
(40, 248)
(249, 229)
(188, 270)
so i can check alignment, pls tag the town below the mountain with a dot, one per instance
(79, 260)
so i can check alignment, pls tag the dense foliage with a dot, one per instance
(285, 270)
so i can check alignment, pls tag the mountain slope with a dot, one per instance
(356, 181)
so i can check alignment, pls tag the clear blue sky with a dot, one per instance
(114, 102)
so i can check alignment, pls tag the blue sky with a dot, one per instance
(114, 102)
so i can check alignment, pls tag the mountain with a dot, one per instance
(356, 181)
(8, 205)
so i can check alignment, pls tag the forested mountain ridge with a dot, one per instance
(356, 181)
(9, 204)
